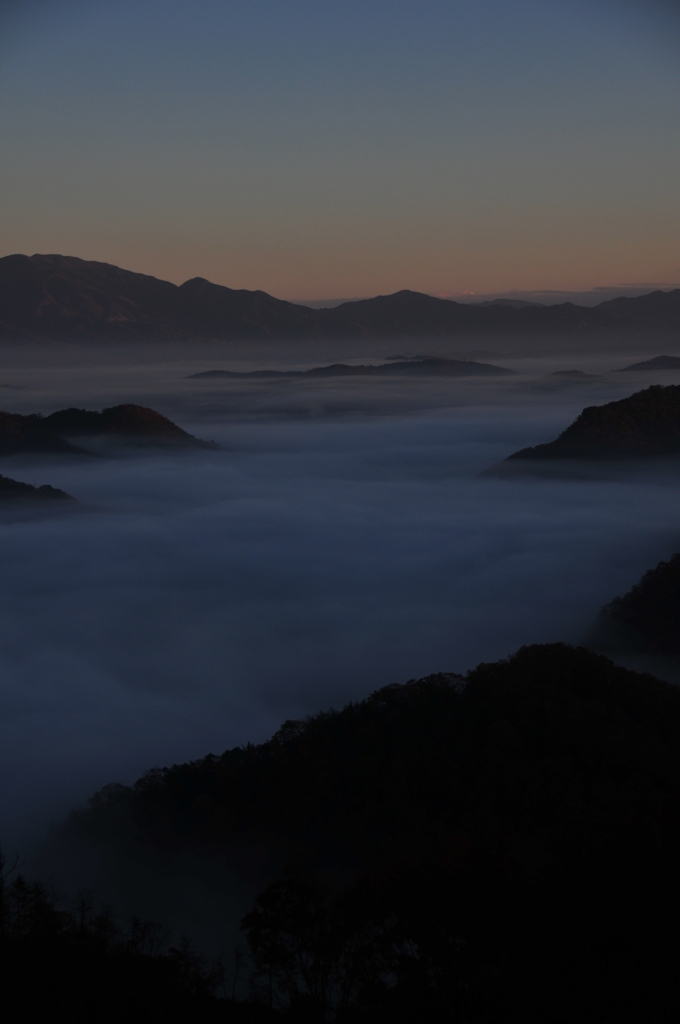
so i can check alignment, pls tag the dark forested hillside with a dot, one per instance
(454, 848)
(75, 963)
(647, 618)
(515, 747)
(646, 425)
(63, 297)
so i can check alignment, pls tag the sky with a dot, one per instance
(339, 149)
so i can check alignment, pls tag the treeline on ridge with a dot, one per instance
(451, 849)
(644, 425)
(77, 964)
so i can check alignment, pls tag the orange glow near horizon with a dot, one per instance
(332, 152)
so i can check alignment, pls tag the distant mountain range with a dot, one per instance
(396, 368)
(62, 297)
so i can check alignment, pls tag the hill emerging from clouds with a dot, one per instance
(15, 491)
(645, 425)
(45, 297)
(132, 424)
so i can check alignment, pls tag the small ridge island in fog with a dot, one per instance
(123, 424)
(646, 425)
(16, 492)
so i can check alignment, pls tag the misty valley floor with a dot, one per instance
(193, 603)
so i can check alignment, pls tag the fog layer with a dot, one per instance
(341, 540)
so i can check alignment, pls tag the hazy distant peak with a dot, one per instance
(657, 363)
(198, 282)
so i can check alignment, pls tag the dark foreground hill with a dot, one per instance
(77, 965)
(485, 848)
(14, 491)
(647, 618)
(396, 368)
(122, 423)
(62, 297)
(646, 425)
(403, 773)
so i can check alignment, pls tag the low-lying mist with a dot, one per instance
(342, 539)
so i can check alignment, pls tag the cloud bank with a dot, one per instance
(343, 539)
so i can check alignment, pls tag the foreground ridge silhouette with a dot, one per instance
(455, 848)
(61, 962)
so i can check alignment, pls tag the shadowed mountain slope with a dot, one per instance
(541, 749)
(643, 426)
(129, 423)
(63, 297)
(647, 618)
(655, 311)
(475, 849)
(28, 434)
(123, 421)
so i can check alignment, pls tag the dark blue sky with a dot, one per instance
(320, 149)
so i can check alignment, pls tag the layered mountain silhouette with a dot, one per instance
(15, 491)
(645, 425)
(63, 297)
(124, 423)
(425, 367)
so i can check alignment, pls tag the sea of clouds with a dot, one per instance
(342, 539)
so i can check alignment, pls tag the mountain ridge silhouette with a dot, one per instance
(54, 297)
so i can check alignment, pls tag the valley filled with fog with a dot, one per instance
(344, 537)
